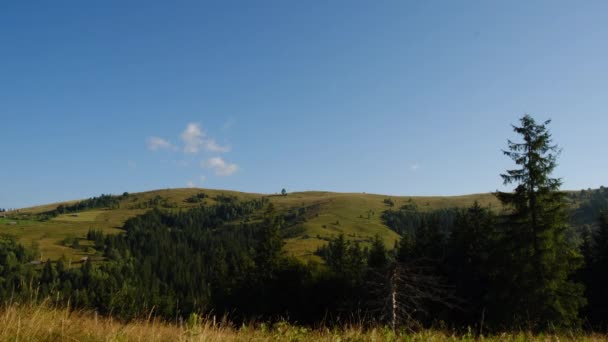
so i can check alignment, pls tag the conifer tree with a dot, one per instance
(404, 249)
(377, 257)
(540, 255)
(269, 248)
(468, 263)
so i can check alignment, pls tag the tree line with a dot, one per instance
(102, 201)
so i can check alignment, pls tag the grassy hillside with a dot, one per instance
(357, 215)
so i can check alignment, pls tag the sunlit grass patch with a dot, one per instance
(84, 216)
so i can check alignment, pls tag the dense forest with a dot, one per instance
(532, 264)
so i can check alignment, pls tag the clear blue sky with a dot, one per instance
(393, 97)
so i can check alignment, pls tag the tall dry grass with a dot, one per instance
(44, 322)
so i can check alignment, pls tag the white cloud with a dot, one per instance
(195, 138)
(192, 138)
(212, 146)
(190, 184)
(132, 164)
(203, 178)
(219, 166)
(156, 143)
(414, 167)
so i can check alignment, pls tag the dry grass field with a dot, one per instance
(44, 322)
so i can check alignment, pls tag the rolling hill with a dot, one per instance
(314, 216)
(325, 214)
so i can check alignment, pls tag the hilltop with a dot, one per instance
(316, 216)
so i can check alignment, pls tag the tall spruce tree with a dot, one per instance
(540, 255)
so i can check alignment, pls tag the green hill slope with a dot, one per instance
(317, 217)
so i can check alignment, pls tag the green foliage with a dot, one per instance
(198, 198)
(592, 204)
(540, 258)
(156, 202)
(408, 219)
(69, 241)
(377, 256)
(103, 201)
(404, 249)
(470, 259)
(15, 272)
(345, 258)
(269, 245)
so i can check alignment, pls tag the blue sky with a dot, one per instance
(393, 97)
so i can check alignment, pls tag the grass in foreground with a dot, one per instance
(46, 323)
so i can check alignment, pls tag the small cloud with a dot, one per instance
(190, 184)
(414, 167)
(195, 139)
(212, 146)
(203, 178)
(132, 164)
(219, 166)
(156, 143)
(192, 138)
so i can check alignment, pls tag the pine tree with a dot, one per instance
(404, 249)
(468, 263)
(269, 248)
(377, 257)
(541, 256)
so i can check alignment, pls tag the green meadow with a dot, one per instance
(356, 215)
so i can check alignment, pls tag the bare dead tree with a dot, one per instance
(402, 294)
